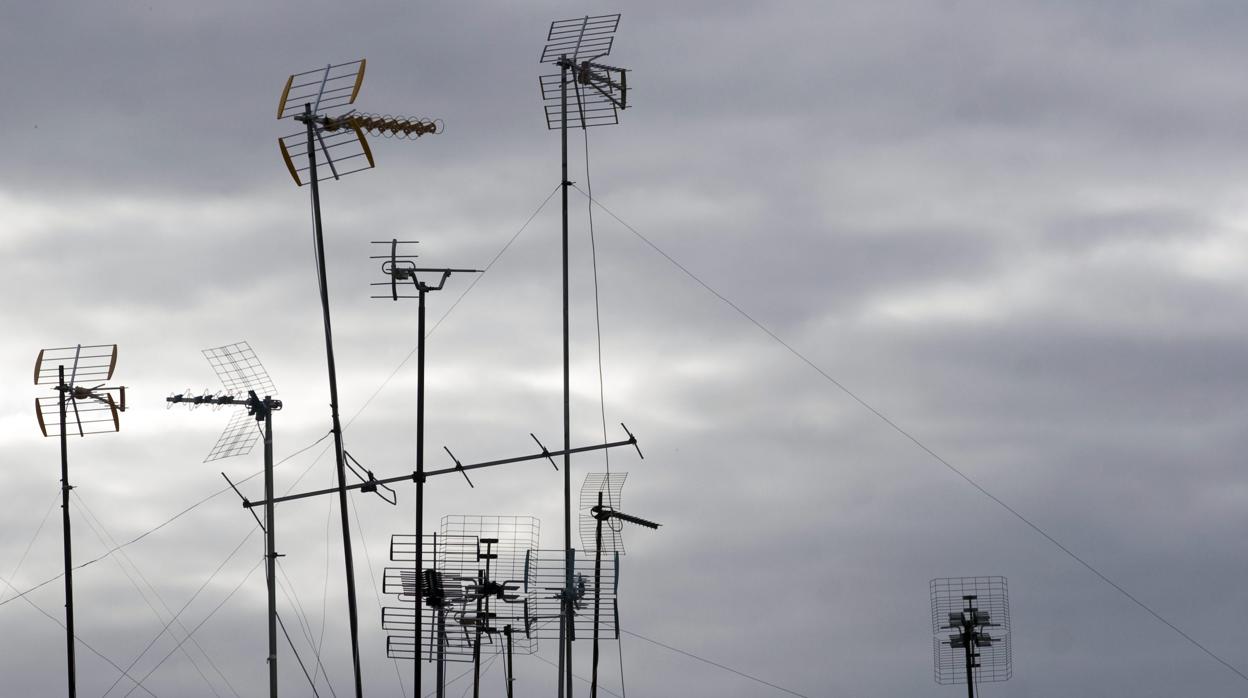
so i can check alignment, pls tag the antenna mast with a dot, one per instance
(575, 46)
(95, 412)
(244, 379)
(309, 98)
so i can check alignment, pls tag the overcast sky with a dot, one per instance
(1015, 229)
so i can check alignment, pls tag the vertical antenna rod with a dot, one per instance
(270, 545)
(601, 91)
(348, 560)
(69, 563)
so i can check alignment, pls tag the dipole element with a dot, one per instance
(97, 414)
(339, 138)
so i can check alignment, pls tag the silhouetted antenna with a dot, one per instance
(605, 514)
(599, 91)
(313, 97)
(611, 486)
(545, 585)
(245, 381)
(317, 98)
(971, 631)
(71, 370)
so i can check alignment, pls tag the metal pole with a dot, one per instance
(69, 564)
(593, 682)
(511, 678)
(270, 545)
(565, 622)
(968, 636)
(353, 616)
(441, 653)
(420, 479)
(476, 645)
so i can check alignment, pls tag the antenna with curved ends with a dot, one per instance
(245, 380)
(70, 370)
(334, 134)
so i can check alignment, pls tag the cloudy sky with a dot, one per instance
(1014, 230)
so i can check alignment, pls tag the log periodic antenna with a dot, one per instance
(316, 98)
(971, 631)
(576, 47)
(245, 380)
(95, 412)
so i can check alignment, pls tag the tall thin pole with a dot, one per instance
(69, 564)
(968, 637)
(565, 621)
(476, 644)
(420, 478)
(593, 682)
(270, 545)
(353, 616)
(511, 677)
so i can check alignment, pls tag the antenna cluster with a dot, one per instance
(971, 631)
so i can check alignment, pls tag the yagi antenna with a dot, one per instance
(247, 385)
(316, 97)
(72, 371)
(971, 631)
(333, 135)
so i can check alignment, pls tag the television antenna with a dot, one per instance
(971, 631)
(614, 519)
(601, 91)
(317, 99)
(244, 380)
(96, 411)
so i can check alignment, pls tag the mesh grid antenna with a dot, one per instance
(245, 381)
(599, 91)
(544, 583)
(450, 564)
(515, 535)
(971, 630)
(91, 409)
(69, 370)
(611, 485)
(582, 36)
(310, 97)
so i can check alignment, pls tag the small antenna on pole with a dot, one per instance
(971, 631)
(71, 370)
(244, 381)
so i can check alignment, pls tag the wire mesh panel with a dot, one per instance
(516, 535)
(586, 107)
(991, 603)
(343, 151)
(240, 435)
(580, 36)
(450, 566)
(611, 485)
(240, 370)
(544, 583)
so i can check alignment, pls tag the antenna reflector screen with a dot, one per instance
(324, 88)
(83, 363)
(581, 36)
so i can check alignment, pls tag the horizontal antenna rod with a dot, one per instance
(630, 441)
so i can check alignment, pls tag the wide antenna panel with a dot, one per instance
(582, 36)
(239, 370)
(544, 584)
(323, 88)
(83, 363)
(97, 415)
(516, 535)
(239, 437)
(611, 485)
(991, 604)
(343, 151)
